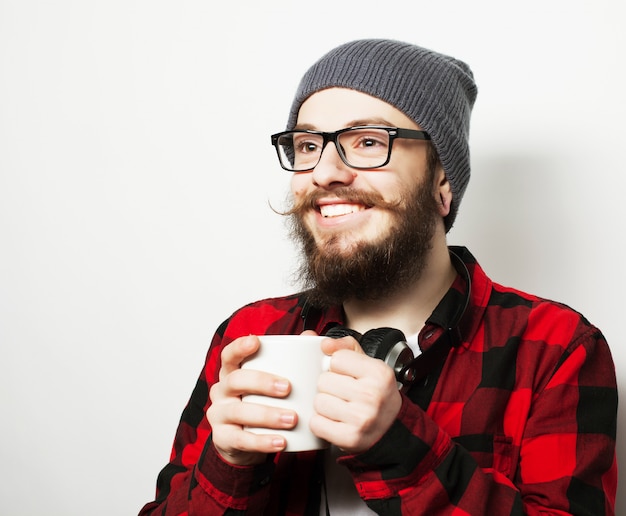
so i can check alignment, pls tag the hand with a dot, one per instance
(228, 414)
(358, 398)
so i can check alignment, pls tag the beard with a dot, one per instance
(369, 270)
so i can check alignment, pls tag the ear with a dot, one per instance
(443, 191)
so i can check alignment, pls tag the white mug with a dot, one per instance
(298, 358)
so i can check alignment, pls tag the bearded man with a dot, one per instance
(511, 404)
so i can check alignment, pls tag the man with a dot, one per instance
(510, 405)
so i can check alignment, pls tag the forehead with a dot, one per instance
(336, 108)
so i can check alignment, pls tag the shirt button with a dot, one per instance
(264, 481)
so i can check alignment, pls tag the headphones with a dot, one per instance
(386, 344)
(389, 344)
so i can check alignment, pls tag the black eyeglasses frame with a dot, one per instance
(394, 133)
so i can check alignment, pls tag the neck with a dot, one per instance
(408, 308)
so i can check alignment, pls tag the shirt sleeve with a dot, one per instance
(565, 464)
(197, 481)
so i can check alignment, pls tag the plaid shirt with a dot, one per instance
(519, 419)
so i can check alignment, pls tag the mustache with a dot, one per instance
(350, 195)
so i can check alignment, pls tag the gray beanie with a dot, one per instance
(434, 90)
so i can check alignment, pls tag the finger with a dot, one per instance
(354, 425)
(249, 381)
(330, 345)
(336, 425)
(309, 332)
(362, 413)
(331, 407)
(355, 364)
(233, 442)
(259, 415)
(364, 381)
(338, 433)
(339, 385)
(236, 352)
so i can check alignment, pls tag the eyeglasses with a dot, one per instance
(362, 147)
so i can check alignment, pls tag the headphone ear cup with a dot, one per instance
(377, 343)
(337, 332)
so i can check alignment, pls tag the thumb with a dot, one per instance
(330, 345)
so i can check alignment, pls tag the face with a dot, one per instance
(363, 230)
(338, 220)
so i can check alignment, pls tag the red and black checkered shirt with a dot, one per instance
(520, 418)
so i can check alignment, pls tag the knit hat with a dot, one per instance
(434, 90)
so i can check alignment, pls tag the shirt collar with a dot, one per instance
(448, 313)
(450, 310)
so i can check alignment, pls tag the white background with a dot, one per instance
(135, 176)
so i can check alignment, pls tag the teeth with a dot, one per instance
(336, 210)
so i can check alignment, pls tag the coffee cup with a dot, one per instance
(299, 359)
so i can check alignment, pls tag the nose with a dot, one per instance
(331, 170)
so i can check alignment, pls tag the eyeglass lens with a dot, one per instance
(361, 148)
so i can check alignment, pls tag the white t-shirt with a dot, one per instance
(342, 496)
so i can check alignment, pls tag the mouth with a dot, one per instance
(339, 209)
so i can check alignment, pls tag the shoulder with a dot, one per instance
(513, 311)
(506, 312)
(266, 316)
(539, 323)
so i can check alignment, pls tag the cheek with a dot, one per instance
(299, 184)
(391, 187)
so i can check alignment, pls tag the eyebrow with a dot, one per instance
(353, 123)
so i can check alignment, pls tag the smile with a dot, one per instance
(337, 210)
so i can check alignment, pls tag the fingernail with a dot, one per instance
(281, 385)
(287, 418)
(278, 443)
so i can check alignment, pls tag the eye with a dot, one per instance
(368, 140)
(304, 144)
